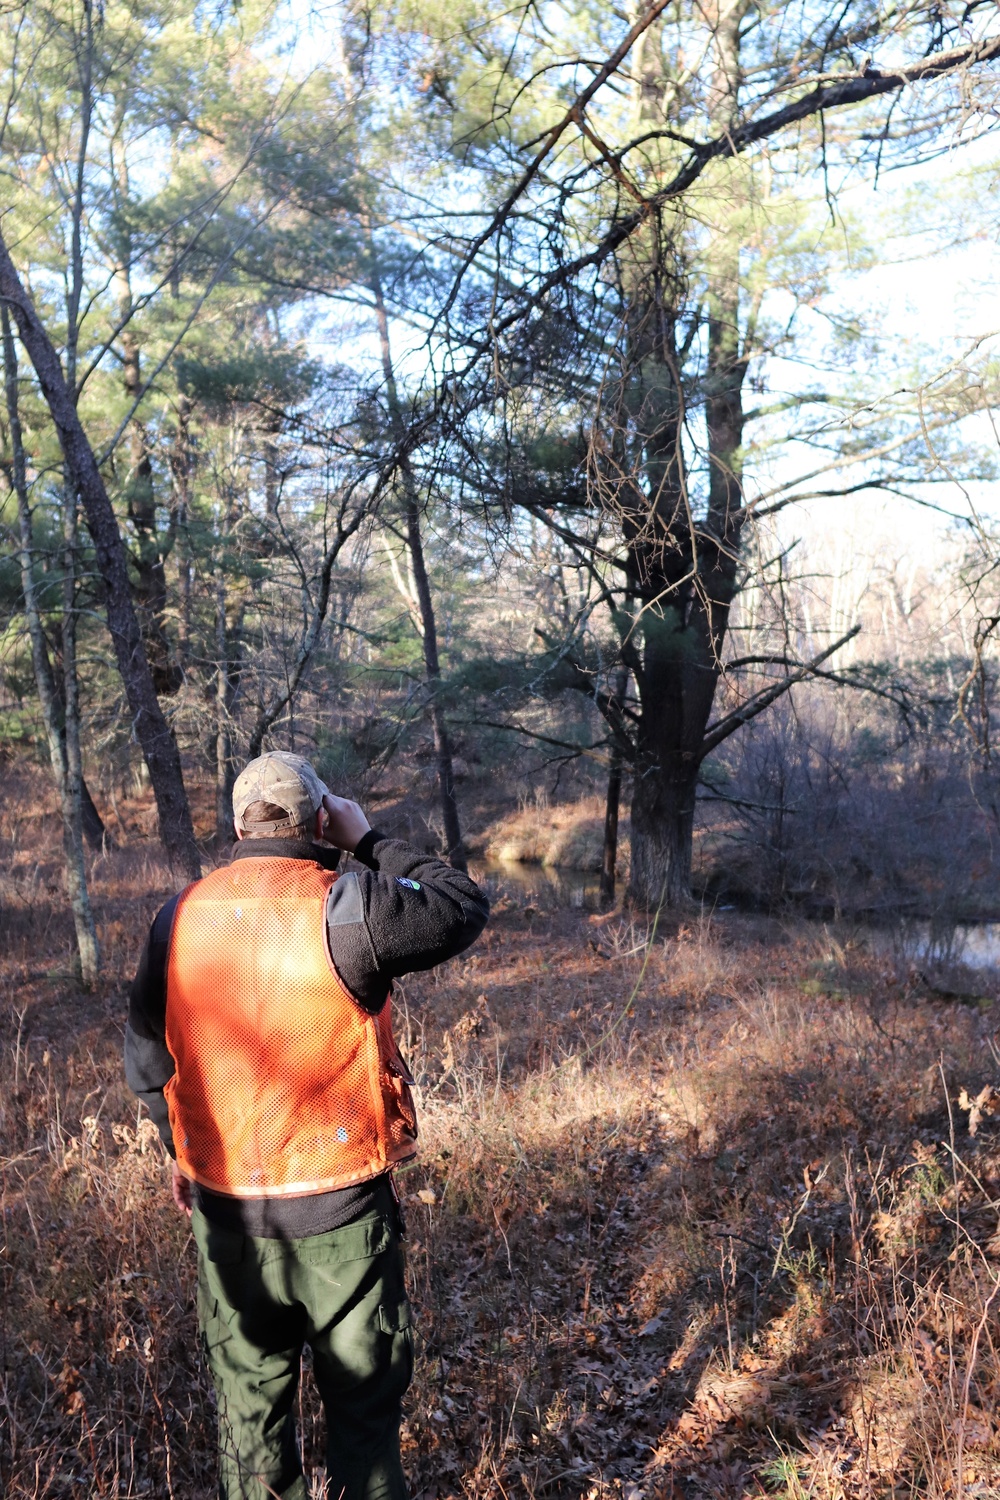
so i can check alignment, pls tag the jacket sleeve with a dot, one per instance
(405, 912)
(148, 1063)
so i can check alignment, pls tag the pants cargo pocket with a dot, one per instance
(395, 1319)
(398, 1324)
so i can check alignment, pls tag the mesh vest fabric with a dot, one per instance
(284, 1084)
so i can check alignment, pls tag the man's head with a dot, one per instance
(278, 796)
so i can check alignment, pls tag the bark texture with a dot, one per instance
(662, 826)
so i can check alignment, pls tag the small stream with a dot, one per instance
(975, 944)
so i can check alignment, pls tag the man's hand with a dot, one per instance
(344, 824)
(180, 1187)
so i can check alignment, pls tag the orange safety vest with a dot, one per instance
(284, 1084)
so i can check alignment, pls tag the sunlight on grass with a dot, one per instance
(682, 1225)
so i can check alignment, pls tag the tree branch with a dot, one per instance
(574, 113)
(869, 84)
(716, 733)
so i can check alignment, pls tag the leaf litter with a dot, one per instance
(680, 1227)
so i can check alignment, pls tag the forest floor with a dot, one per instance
(698, 1213)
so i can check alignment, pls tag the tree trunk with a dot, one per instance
(147, 558)
(225, 771)
(70, 793)
(686, 577)
(662, 829)
(94, 830)
(609, 856)
(424, 602)
(181, 468)
(73, 808)
(727, 364)
(152, 731)
(454, 851)
(49, 694)
(660, 579)
(151, 579)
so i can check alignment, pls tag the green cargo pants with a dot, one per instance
(259, 1302)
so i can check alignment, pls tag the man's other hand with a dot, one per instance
(180, 1187)
(345, 825)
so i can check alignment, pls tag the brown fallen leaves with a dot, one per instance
(677, 1230)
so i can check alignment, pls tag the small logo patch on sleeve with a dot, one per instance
(411, 885)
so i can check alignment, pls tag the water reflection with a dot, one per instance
(976, 944)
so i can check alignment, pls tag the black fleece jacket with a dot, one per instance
(405, 912)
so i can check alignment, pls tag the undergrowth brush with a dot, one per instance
(698, 1212)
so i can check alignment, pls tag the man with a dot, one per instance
(259, 1038)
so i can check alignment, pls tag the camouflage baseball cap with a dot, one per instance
(287, 780)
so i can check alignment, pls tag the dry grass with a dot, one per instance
(696, 1215)
(564, 835)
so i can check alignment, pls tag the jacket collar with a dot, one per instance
(318, 854)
